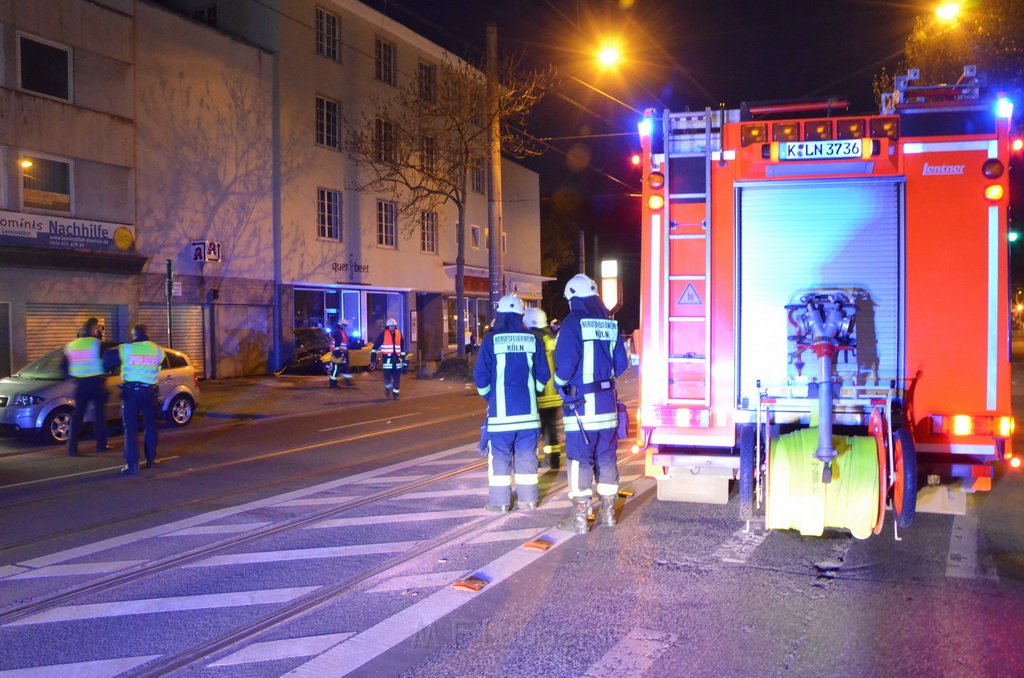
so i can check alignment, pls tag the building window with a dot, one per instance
(428, 232)
(45, 68)
(207, 15)
(327, 122)
(474, 237)
(387, 223)
(385, 58)
(429, 154)
(427, 80)
(478, 174)
(327, 34)
(45, 184)
(384, 140)
(328, 214)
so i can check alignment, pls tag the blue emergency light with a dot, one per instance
(1004, 108)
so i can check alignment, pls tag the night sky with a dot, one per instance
(679, 54)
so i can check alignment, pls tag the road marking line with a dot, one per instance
(206, 601)
(451, 462)
(100, 668)
(392, 480)
(375, 641)
(433, 494)
(372, 421)
(105, 469)
(306, 554)
(229, 528)
(418, 581)
(634, 655)
(399, 518)
(8, 571)
(290, 648)
(740, 546)
(524, 535)
(78, 569)
(202, 519)
(316, 501)
(964, 546)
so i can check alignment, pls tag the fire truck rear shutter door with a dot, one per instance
(799, 236)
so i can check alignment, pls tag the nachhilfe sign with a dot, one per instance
(939, 170)
(38, 230)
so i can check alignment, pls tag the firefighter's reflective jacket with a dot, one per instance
(549, 397)
(589, 355)
(511, 369)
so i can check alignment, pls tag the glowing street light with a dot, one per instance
(609, 55)
(948, 11)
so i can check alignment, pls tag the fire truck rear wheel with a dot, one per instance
(748, 439)
(904, 490)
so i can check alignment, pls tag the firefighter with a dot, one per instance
(83, 362)
(589, 355)
(339, 361)
(549, 403)
(510, 371)
(393, 349)
(140, 365)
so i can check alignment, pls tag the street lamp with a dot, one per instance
(948, 12)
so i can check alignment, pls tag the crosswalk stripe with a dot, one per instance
(98, 668)
(316, 501)
(634, 655)
(417, 581)
(399, 518)
(205, 518)
(391, 480)
(306, 554)
(375, 641)
(290, 648)
(78, 569)
(8, 571)
(228, 528)
(432, 494)
(121, 608)
(506, 535)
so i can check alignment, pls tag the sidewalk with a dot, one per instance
(270, 396)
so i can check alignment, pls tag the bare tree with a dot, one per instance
(422, 143)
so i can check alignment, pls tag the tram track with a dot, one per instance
(332, 594)
(374, 457)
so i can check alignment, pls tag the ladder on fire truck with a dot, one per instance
(692, 141)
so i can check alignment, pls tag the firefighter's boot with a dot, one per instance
(332, 383)
(576, 521)
(606, 516)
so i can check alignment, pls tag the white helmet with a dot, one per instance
(580, 286)
(510, 303)
(535, 317)
(391, 323)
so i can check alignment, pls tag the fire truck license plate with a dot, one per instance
(820, 150)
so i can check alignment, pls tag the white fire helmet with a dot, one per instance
(535, 317)
(510, 303)
(580, 286)
(391, 323)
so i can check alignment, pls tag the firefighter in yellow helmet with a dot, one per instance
(549, 403)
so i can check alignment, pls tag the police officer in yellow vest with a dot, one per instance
(83, 362)
(140, 365)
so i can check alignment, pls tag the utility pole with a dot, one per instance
(495, 258)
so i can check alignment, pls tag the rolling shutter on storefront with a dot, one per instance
(50, 326)
(187, 321)
(798, 236)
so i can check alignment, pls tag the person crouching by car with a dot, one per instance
(83, 362)
(339, 363)
(140, 362)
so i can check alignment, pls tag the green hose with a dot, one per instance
(798, 500)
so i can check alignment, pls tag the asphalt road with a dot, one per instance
(324, 541)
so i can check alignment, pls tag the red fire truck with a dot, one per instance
(825, 307)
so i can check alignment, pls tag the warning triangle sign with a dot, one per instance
(689, 296)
